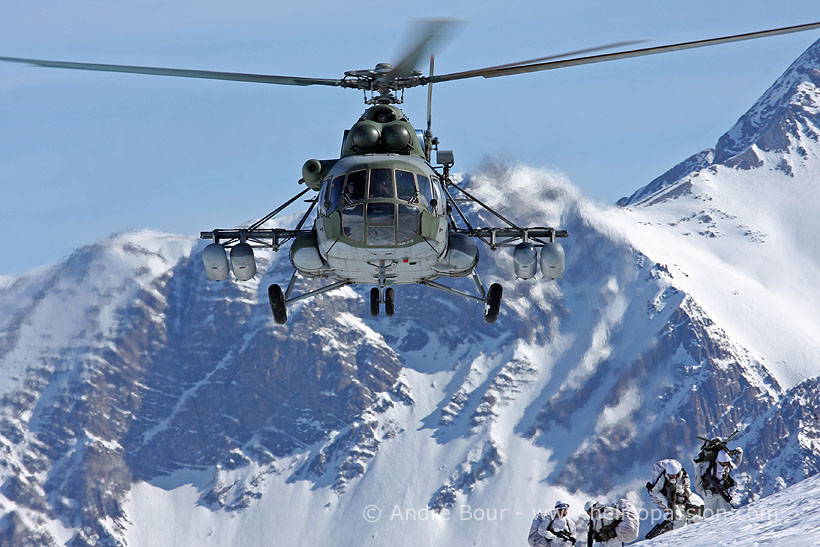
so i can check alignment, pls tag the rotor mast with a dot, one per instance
(381, 84)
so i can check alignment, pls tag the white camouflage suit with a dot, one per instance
(712, 501)
(677, 510)
(540, 536)
(603, 518)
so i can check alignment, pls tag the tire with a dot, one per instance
(493, 303)
(390, 302)
(277, 304)
(374, 302)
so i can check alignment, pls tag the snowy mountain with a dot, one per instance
(783, 123)
(141, 404)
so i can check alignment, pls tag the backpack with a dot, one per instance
(710, 448)
(534, 538)
(627, 529)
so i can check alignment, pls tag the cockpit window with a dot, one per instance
(424, 190)
(353, 222)
(354, 189)
(406, 186)
(381, 213)
(322, 199)
(381, 235)
(381, 183)
(438, 195)
(334, 195)
(380, 221)
(408, 222)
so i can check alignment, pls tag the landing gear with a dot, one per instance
(389, 302)
(493, 303)
(374, 302)
(277, 304)
(280, 300)
(491, 298)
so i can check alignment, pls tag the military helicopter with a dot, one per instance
(386, 213)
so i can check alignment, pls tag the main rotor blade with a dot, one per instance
(493, 72)
(181, 73)
(428, 32)
(465, 74)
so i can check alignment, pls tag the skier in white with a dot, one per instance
(671, 491)
(603, 523)
(552, 529)
(720, 469)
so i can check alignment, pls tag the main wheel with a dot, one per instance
(374, 302)
(277, 304)
(390, 302)
(493, 303)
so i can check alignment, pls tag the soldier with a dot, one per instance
(713, 479)
(602, 523)
(671, 491)
(553, 529)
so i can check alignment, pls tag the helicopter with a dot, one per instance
(386, 214)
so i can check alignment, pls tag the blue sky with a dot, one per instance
(84, 155)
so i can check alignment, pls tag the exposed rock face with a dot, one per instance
(15, 533)
(693, 164)
(182, 375)
(482, 464)
(691, 379)
(783, 446)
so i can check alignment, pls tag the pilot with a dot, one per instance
(350, 191)
(381, 188)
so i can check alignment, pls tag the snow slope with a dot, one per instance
(750, 263)
(747, 211)
(789, 518)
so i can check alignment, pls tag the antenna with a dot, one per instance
(428, 135)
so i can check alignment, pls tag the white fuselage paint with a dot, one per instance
(408, 263)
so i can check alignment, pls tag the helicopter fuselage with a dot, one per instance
(382, 220)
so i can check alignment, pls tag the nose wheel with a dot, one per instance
(389, 301)
(374, 302)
